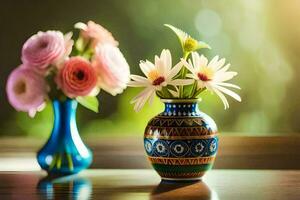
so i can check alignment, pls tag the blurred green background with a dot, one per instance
(260, 38)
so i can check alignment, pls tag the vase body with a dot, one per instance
(64, 153)
(181, 143)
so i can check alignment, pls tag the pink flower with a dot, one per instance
(112, 69)
(96, 33)
(26, 90)
(46, 48)
(77, 77)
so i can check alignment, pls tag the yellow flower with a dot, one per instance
(188, 43)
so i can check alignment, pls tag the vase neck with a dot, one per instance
(181, 108)
(64, 117)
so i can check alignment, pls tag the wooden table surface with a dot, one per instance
(145, 184)
(251, 168)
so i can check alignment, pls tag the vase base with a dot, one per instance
(59, 174)
(196, 179)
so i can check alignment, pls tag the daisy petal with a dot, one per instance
(213, 61)
(224, 76)
(195, 59)
(229, 92)
(174, 71)
(192, 76)
(151, 98)
(200, 84)
(139, 78)
(222, 97)
(203, 61)
(167, 59)
(136, 84)
(219, 64)
(224, 69)
(160, 65)
(146, 66)
(140, 102)
(228, 85)
(188, 66)
(141, 94)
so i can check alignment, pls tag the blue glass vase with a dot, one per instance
(64, 153)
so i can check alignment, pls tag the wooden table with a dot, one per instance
(145, 184)
(260, 168)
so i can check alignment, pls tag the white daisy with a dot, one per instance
(212, 76)
(158, 75)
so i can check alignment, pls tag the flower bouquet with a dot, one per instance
(54, 69)
(181, 142)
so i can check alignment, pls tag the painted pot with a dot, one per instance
(64, 153)
(181, 142)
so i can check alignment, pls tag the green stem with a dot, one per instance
(166, 93)
(58, 163)
(70, 161)
(198, 92)
(194, 89)
(160, 94)
(53, 162)
(183, 73)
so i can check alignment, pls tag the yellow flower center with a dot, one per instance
(155, 77)
(152, 75)
(190, 44)
(205, 74)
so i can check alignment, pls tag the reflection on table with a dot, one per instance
(69, 187)
(78, 188)
(145, 184)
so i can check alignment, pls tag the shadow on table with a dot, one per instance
(186, 190)
(66, 187)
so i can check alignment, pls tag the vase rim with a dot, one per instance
(180, 100)
(63, 100)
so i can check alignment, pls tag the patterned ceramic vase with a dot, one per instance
(64, 153)
(181, 142)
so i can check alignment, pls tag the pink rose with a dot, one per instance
(77, 77)
(46, 48)
(112, 69)
(96, 33)
(26, 90)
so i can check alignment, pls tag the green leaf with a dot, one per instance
(90, 102)
(180, 33)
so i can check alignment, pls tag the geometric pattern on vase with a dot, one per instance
(183, 175)
(181, 161)
(181, 143)
(181, 148)
(178, 130)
